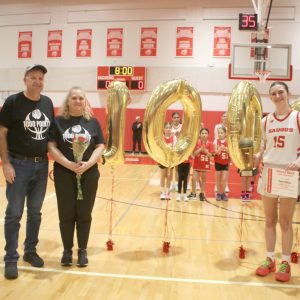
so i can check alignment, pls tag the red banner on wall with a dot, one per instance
(148, 41)
(54, 43)
(184, 41)
(222, 41)
(25, 44)
(84, 43)
(114, 43)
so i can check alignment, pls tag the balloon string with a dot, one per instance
(111, 201)
(166, 220)
(241, 225)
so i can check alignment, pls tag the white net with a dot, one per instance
(262, 75)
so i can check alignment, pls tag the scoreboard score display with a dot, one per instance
(134, 77)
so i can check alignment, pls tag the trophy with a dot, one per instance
(246, 148)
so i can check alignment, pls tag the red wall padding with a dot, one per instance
(209, 118)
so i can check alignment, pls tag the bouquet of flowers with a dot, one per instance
(79, 144)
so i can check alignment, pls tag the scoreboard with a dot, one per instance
(134, 77)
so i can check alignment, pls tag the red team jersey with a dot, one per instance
(171, 140)
(202, 161)
(223, 157)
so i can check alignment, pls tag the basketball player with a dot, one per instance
(281, 145)
(176, 129)
(221, 164)
(203, 153)
(216, 137)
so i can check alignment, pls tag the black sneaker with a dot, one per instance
(219, 197)
(66, 259)
(82, 258)
(11, 270)
(192, 196)
(202, 197)
(224, 197)
(33, 259)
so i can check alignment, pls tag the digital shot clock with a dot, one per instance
(248, 21)
(134, 77)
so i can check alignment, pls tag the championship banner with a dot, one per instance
(222, 41)
(184, 41)
(114, 43)
(266, 38)
(25, 44)
(84, 43)
(54, 43)
(148, 41)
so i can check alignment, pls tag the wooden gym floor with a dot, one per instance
(202, 263)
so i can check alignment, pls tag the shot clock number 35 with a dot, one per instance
(134, 77)
(248, 21)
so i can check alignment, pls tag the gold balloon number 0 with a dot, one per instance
(162, 97)
(296, 105)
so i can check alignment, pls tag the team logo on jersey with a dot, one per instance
(37, 123)
(69, 134)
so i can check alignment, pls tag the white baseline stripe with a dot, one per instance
(157, 278)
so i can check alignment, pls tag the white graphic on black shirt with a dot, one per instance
(68, 135)
(38, 123)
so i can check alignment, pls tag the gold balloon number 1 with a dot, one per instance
(117, 101)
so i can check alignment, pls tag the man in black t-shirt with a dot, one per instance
(25, 120)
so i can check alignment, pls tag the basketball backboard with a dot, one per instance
(249, 60)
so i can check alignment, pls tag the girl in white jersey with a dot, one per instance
(280, 149)
(176, 129)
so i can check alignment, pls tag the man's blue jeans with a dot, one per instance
(30, 184)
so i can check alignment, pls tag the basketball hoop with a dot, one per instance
(262, 75)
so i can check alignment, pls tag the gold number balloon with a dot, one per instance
(296, 105)
(117, 101)
(244, 124)
(162, 97)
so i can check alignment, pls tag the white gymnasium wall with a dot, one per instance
(206, 73)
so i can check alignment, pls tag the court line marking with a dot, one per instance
(159, 278)
(133, 202)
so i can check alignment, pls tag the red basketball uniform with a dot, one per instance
(171, 140)
(282, 138)
(222, 158)
(202, 161)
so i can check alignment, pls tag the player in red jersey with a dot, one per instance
(221, 164)
(203, 153)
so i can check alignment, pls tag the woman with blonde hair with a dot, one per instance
(75, 120)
